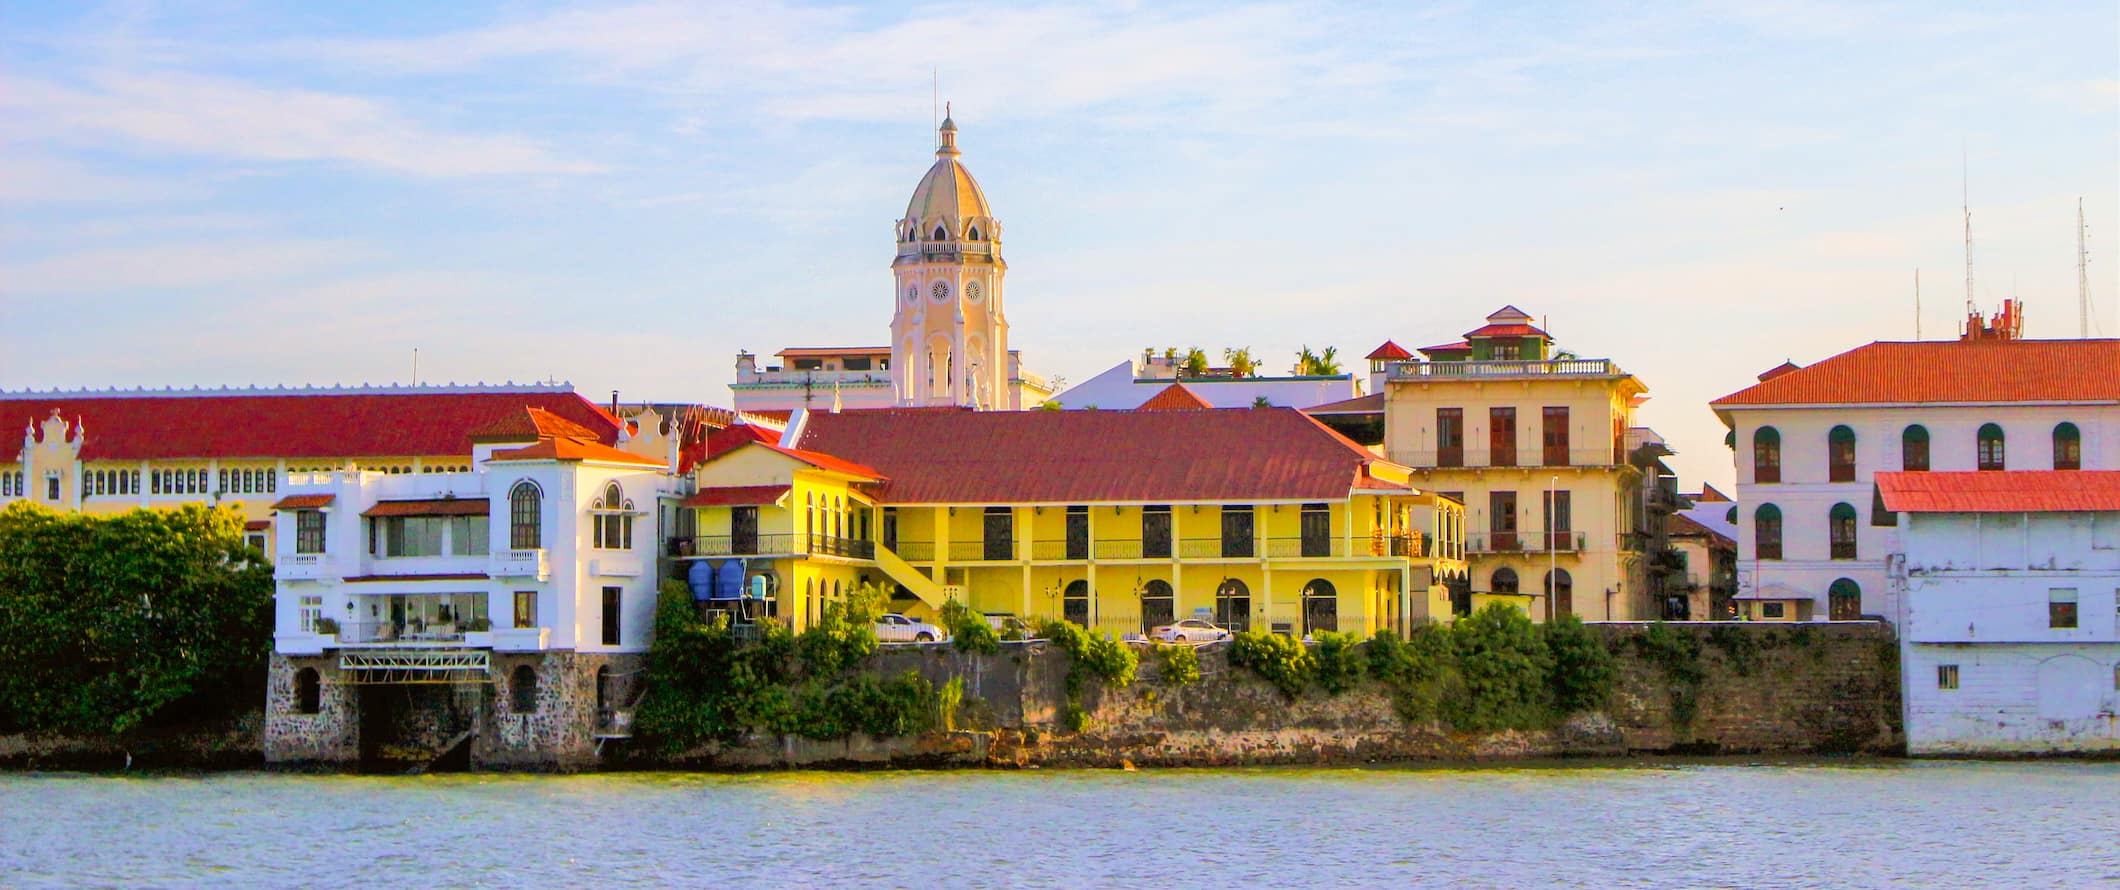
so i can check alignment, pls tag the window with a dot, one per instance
(526, 608)
(612, 516)
(1841, 525)
(1155, 532)
(1947, 676)
(308, 692)
(1840, 455)
(1844, 601)
(1766, 455)
(2061, 608)
(408, 536)
(525, 524)
(1074, 603)
(309, 531)
(51, 487)
(1766, 532)
(2068, 447)
(1990, 447)
(1237, 530)
(522, 690)
(1450, 437)
(1501, 437)
(1315, 526)
(467, 535)
(1158, 605)
(1077, 532)
(612, 599)
(255, 542)
(311, 608)
(1773, 610)
(1559, 519)
(1555, 436)
(1504, 580)
(998, 527)
(1321, 607)
(855, 364)
(1915, 448)
(1501, 519)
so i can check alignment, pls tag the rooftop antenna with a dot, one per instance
(1917, 303)
(2083, 275)
(1965, 206)
(935, 106)
(415, 366)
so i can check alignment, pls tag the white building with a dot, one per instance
(1808, 442)
(1130, 383)
(949, 331)
(2009, 631)
(532, 575)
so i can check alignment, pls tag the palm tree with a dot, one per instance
(1195, 363)
(1241, 363)
(1313, 364)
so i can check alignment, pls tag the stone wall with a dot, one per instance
(329, 736)
(560, 731)
(1767, 689)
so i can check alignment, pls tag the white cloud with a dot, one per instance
(225, 118)
(159, 267)
(44, 179)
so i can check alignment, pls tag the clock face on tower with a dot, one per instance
(973, 292)
(941, 292)
(912, 294)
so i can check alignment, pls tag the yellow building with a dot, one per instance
(1117, 520)
(1536, 445)
(117, 450)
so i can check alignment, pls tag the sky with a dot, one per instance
(622, 196)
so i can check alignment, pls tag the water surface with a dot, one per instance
(1875, 823)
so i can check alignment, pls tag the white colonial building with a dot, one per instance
(1808, 443)
(404, 600)
(949, 332)
(2009, 626)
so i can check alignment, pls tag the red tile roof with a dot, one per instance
(824, 461)
(304, 501)
(257, 525)
(1389, 352)
(737, 496)
(2011, 491)
(728, 438)
(295, 425)
(573, 449)
(432, 507)
(1372, 403)
(1938, 371)
(531, 424)
(1507, 330)
(1459, 346)
(1001, 457)
(1175, 397)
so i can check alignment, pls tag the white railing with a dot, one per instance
(1576, 367)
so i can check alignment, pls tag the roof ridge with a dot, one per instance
(336, 389)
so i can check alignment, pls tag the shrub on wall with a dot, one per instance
(1580, 674)
(968, 630)
(1678, 656)
(1339, 662)
(1501, 672)
(1279, 658)
(1178, 665)
(1110, 662)
(109, 623)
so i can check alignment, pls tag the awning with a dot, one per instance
(257, 525)
(737, 496)
(304, 501)
(433, 507)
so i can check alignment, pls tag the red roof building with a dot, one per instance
(1175, 397)
(1389, 352)
(1946, 372)
(2009, 491)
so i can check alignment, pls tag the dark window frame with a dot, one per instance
(1840, 454)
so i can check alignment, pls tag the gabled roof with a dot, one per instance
(827, 462)
(1175, 397)
(1507, 330)
(1389, 352)
(1459, 346)
(573, 450)
(1045, 457)
(1372, 403)
(737, 496)
(267, 424)
(1947, 372)
(1709, 494)
(529, 425)
(2010, 491)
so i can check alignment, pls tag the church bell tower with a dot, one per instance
(949, 340)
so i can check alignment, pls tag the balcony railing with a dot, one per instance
(915, 551)
(1305, 548)
(299, 565)
(517, 563)
(778, 544)
(1527, 542)
(1060, 550)
(1572, 367)
(411, 632)
(1217, 548)
(1125, 548)
(982, 551)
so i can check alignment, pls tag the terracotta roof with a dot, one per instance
(1175, 397)
(1709, 494)
(1002, 457)
(737, 496)
(1372, 403)
(257, 525)
(294, 425)
(1389, 352)
(304, 501)
(531, 424)
(728, 438)
(432, 507)
(573, 449)
(824, 461)
(2010, 491)
(1778, 370)
(1459, 346)
(1507, 330)
(1938, 371)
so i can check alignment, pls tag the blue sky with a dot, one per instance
(622, 196)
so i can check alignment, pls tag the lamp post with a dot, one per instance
(1552, 553)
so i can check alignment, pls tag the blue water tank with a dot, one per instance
(700, 577)
(729, 584)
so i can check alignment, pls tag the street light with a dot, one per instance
(1552, 554)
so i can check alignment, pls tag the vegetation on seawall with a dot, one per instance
(121, 627)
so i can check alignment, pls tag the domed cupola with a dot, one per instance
(948, 210)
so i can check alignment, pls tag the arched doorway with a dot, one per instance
(1844, 601)
(1321, 607)
(1074, 603)
(1560, 591)
(1233, 605)
(1503, 581)
(1159, 605)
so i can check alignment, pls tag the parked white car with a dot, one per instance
(900, 629)
(1191, 630)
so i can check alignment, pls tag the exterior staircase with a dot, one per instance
(914, 580)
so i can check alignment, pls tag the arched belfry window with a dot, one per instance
(1991, 442)
(525, 520)
(941, 234)
(973, 234)
(1766, 455)
(2068, 446)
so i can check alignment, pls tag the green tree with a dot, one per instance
(1315, 364)
(1581, 668)
(110, 622)
(1195, 364)
(1241, 364)
(1502, 670)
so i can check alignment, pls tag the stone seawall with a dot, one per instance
(1701, 689)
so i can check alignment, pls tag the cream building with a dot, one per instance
(1535, 444)
(949, 332)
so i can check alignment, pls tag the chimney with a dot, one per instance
(614, 403)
